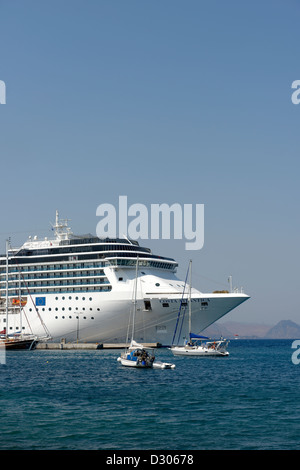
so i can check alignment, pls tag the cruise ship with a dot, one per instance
(80, 288)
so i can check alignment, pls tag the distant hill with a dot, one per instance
(243, 330)
(285, 329)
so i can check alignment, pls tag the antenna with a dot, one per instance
(61, 228)
(56, 218)
(230, 284)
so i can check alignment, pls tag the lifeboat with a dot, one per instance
(16, 301)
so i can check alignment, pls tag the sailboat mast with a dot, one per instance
(6, 294)
(20, 302)
(190, 301)
(135, 294)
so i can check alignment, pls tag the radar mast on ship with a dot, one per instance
(61, 228)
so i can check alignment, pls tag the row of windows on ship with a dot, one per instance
(61, 282)
(77, 317)
(82, 248)
(52, 267)
(62, 290)
(86, 265)
(78, 313)
(91, 256)
(63, 275)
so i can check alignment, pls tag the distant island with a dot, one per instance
(285, 329)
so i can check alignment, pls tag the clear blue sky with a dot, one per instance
(162, 101)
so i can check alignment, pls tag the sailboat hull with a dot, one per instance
(197, 351)
(15, 344)
(129, 363)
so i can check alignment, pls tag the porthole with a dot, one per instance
(157, 284)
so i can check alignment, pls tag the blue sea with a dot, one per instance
(85, 400)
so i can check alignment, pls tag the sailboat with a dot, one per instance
(136, 355)
(199, 345)
(17, 340)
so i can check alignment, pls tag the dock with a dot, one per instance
(85, 346)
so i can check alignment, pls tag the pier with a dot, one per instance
(86, 346)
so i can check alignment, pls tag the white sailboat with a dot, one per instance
(136, 355)
(199, 345)
(17, 340)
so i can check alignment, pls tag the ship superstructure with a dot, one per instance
(81, 287)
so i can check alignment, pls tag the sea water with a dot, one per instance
(86, 400)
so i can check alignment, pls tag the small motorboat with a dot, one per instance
(138, 356)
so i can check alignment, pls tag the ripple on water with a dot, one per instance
(86, 400)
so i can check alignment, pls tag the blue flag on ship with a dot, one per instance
(40, 301)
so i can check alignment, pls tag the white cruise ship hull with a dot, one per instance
(106, 320)
(80, 288)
